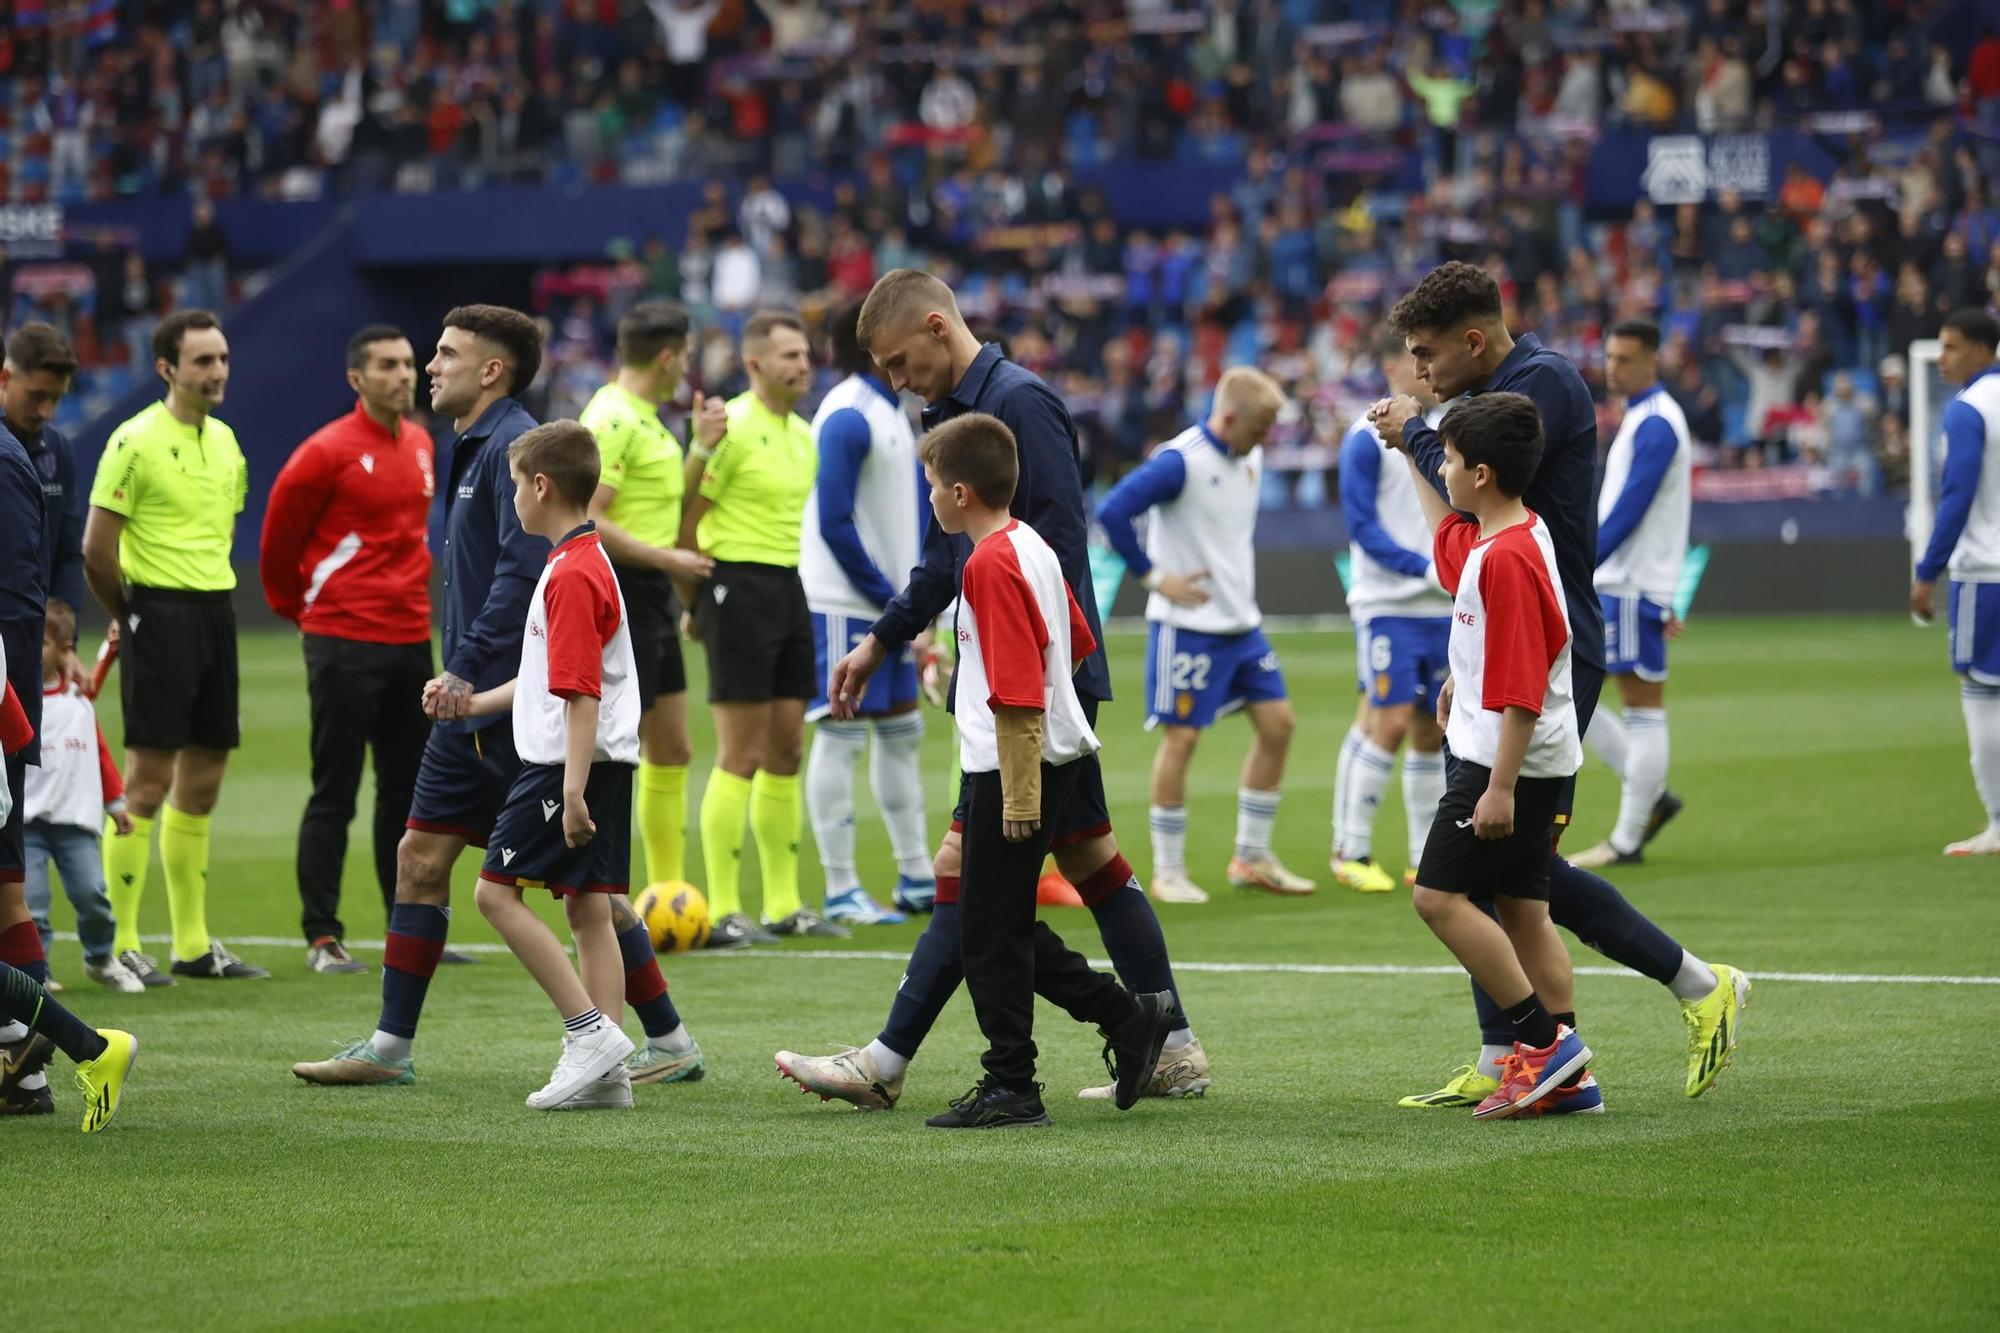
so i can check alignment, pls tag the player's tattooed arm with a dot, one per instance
(448, 698)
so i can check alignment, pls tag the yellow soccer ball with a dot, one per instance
(676, 916)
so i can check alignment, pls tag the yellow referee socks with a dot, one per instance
(723, 806)
(184, 858)
(774, 823)
(126, 860)
(663, 810)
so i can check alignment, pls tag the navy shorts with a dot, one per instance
(1085, 815)
(893, 685)
(1193, 678)
(528, 850)
(463, 781)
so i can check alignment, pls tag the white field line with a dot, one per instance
(1292, 969)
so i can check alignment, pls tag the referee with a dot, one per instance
(638, 513)
(156, 555)
(751, 617)
(344, 558)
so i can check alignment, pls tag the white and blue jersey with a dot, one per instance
(1643, 513)
(1966, 539)
(1210, 660)
(860, 532)
(1402, 618)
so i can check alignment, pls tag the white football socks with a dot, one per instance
(895, 774)
(1343, 773)
(13, 1031)
(836, 749)
(1490, 1058)
(1367, 779)
(1256, 812)
(1645, 774)
(1982, 727)
(677, 1042)
(1178, 1038)
(1169, 828)
(1423, 791)
(1605, 738)
(390, 1046)
(1695, 981)
(887, 1063)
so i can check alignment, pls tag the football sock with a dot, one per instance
(126, 859)
(645, 984)
(1695, 980)
(1605, 738)
(1169, 826)
(1490, 1058)
(1534, 1026)
(409, 958)
(930, 978)
(1645, 775)
(1131, 933)
(1423, 791)
(887, 1062)
(774, 824)
(23, 999)
(724, 803)
(1178, 1038)
(1589, 908)
(1981, 704)
(1256, 811)
(663, 809)
(1367, 779)
(587, 1021)
(1342, 775)
(21, 949)
(12, 1030)
(896, 775)
(184, 860)
(836, 750)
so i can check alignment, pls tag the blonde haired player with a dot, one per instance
(1208, 654)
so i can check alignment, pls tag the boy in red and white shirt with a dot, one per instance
(1021, 731)
(567, 823)
(65, 804)
(1511, 729)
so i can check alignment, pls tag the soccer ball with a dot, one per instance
(676, 916)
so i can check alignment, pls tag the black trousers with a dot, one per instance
(1007, 954)
(364, 696)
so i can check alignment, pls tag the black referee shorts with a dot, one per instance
(757, 633)
(653, 614)
(177, 673)
(1516, 866)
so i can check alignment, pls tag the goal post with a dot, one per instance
(1928, 396)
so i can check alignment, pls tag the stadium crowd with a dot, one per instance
(1374, 139)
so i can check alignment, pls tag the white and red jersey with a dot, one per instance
(1510, 643)
(577, 643)
(343, 552)
(1020, 638)
(78, 780)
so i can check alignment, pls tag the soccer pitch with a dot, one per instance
(1840, 1175)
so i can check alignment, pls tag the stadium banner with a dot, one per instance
(1670, 169)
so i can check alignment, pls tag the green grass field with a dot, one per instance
(1840, 1176)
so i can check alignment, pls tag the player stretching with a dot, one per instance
(156, 554)
(1457, 334)
(1402, 621)
(1642, 537)
(860, 540)
(1207, 652)
(1966, 541)
(638, 515)
(912, 327)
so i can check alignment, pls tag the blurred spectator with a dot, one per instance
(205, 264)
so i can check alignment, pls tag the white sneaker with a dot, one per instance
(586, 1057)
(1985, 844)
(114, 976)
(1266, 873)
(612, 1092)
(1174, 886)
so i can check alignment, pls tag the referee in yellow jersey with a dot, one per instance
(156, 554)
(638, 513)
(751, 617)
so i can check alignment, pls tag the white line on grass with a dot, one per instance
(1295, 969)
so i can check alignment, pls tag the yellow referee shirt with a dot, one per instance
(179, 489)
(759, 480)
(639, 458)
